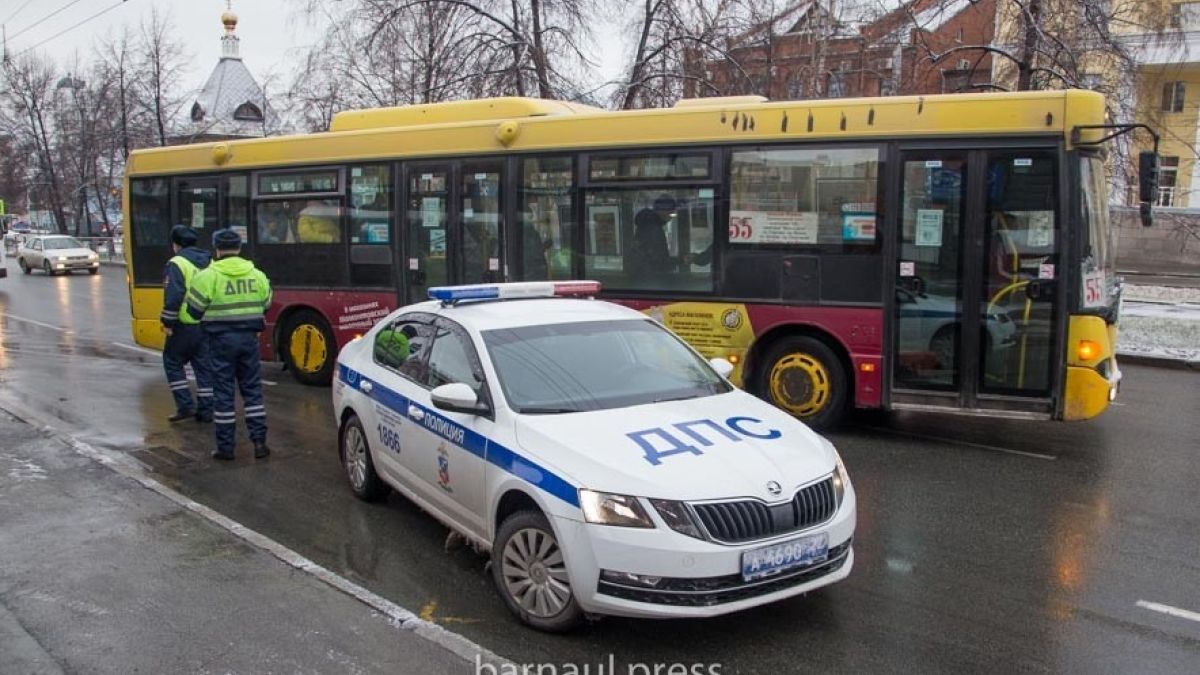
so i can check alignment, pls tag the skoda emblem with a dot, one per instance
(774, 488)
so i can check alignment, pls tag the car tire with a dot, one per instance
(309, 349)
(803, 376)
(548, 603)
(943, 345)
(46, 268)
(94, 270)
(24, 266)
(355, 452)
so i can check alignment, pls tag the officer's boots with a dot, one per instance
(261, 450)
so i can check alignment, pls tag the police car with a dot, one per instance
(606, 465)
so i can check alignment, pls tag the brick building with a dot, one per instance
(814, 49)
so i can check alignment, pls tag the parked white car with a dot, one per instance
(55, 253)
(605, 464)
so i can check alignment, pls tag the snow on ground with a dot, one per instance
(1160, 321)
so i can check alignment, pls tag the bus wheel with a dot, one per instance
(309, 348)
(804, 377)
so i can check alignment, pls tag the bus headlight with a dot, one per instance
(602, 508)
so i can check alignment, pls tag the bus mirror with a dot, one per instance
(1147, 214)
(1147, 176)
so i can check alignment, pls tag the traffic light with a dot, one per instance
(1147, 176)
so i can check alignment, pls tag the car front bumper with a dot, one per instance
(698, 578)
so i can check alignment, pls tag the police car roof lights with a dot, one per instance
(451, 295)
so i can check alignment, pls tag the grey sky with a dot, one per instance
(272, 41)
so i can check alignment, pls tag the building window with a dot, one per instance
(248, 112)
(837, 85)
(958, 35)
(197, 112)
(1168, 175)
(1173, 94)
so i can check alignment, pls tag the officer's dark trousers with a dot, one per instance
(189, 344)
(235, 358)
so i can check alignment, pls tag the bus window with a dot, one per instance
(299, 241)
(805, 197)
(547, 220)
(237, 204)
(150, 215)
(650, 239)
(371, 225)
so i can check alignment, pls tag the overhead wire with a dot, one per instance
(97, 15)
(17, 11)
(49, 16)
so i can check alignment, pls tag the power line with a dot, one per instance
(18, 11)
(97, 15)
(51, 15)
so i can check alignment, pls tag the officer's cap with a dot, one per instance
(183, 235)
(226, 240)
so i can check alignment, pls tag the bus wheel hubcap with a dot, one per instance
(308, 348)
(535, 574)
(800, 384)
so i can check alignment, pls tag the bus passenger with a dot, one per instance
(315, 226)
(650, 256)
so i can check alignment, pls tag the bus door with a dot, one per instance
(454, 225)
(976, 309)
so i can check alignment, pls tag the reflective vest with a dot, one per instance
(230, 292)
(189, 269)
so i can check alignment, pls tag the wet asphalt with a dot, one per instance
(982, 545)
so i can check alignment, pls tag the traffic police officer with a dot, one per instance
(186, 341)
(230, 297)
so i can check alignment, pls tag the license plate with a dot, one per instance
(779, 558)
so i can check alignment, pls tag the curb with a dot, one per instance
(1157, 362)
(403, 619)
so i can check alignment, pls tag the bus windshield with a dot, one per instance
(628, 363)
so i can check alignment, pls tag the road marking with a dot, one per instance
(136, 348)
(270, 383)
(969, 444)
(39, 323)
(132, 468)
(1167, 609)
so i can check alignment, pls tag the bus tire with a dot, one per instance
(803, 376)
(308, 348)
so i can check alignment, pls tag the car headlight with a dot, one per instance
(840, 479)
(677, 517)
(603, 508)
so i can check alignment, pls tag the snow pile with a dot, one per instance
(1161, 322)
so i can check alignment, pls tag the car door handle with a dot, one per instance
(416, 413)
(366, 387)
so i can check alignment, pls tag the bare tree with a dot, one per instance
(29, 92)
(160, 66)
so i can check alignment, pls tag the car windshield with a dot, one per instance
(596, 365)
(62, 242)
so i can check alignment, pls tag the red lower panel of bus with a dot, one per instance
(347, 313)
(722, 328)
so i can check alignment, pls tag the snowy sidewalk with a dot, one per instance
(1160, 322)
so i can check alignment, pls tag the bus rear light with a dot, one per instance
(733, 358)
(1087, 350)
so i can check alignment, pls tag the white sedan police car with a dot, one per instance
(607, 466)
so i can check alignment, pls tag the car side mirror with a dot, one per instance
(457, 397)
(724, 368)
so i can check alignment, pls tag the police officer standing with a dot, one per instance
(230, 298)
(186, 341)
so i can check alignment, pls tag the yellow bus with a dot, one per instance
(946, 253)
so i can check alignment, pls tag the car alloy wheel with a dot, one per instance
(535, 574)
(356, 457)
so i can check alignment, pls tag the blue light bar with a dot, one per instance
(449, 295)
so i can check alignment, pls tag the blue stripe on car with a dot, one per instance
(473, 442)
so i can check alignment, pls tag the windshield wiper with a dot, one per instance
(664, 399)
(548, 411)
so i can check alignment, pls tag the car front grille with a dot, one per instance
(745, 520)
(709, 591)
(77, 258)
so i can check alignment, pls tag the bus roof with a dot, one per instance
(533, 125)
